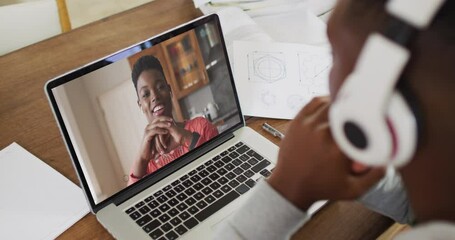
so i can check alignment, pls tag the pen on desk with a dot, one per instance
(272, 130)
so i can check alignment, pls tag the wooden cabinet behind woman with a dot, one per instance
(183, 66)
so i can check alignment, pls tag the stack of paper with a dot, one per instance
(281, 58)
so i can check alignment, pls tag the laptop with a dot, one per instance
(184, 188)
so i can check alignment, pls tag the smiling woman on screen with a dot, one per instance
(164, 139)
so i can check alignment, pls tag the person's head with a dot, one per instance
(153, 91)
(429, 77)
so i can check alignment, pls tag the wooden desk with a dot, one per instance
(27, 119)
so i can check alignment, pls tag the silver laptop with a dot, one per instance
(161, 152)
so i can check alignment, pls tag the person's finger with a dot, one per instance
(162, 119)
(321, 115)
(150, 134)
(305, 115)
(312, 106)
(360, 184)
(171, 127)
(167, 138)
(158, 145)
(161, 139)
(155, 125)
(152, 147)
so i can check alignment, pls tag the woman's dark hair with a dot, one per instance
(147, 62)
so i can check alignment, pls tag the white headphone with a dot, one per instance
(369, 119)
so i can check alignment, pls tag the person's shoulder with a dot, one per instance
(199, 121)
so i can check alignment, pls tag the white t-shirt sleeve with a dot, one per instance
(264, 215)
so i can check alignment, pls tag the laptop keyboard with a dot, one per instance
(178, 207)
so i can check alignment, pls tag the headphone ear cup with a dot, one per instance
(404, 130)
(360, 131)
(372, 138)
(366, 118)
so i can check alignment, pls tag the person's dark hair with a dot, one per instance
(147, 62)
(433, 47)
(432, 50)
(359, 13)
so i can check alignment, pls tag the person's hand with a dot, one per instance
(178, 136)
(151, 144)
(162, 143)
(310, 165)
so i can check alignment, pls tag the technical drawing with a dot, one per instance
(278, 79)
(266, 67)
(268, 98)
(313, 67)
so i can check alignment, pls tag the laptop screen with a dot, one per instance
(127, 116)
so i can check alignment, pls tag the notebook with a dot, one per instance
(157, 137)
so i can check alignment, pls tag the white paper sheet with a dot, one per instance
(237, 25)
(276, 80)
(36, 201)
(298, 25)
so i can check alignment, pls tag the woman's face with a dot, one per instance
(154, 94)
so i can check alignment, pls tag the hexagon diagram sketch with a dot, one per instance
(268, 98)
(313, 67)
(266, 67)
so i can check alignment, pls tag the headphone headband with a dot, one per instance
(418, 13)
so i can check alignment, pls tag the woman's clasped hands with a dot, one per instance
(161, 136)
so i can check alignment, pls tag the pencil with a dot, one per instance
(267, 127)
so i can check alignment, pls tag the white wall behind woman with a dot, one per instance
(85, 124)
(125, 121)
(90, 123)
(97, 84)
